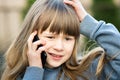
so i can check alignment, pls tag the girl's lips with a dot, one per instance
(55, 57)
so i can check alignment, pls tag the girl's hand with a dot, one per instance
(33, 54)
(79, 9)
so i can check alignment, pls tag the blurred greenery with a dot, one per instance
(106, 10)
(29, 3)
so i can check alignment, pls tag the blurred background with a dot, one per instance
(12, 13)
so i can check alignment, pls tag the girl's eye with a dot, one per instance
(50, 37)
(69, 38)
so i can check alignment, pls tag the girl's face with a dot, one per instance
(59, 47)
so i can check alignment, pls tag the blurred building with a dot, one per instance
(10, 19)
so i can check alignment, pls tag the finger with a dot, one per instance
(40, 50)
(70, 2)
(30, 39)
(38, 43)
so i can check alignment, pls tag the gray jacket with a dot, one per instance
(106, 35)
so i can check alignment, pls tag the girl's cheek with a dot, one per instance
(48, 45)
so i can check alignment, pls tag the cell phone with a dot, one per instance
(43, 54)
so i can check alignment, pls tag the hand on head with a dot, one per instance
(79, 9)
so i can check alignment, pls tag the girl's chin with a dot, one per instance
(52, 66)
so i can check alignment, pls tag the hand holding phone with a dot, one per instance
(43, 54)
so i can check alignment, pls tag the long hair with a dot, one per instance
(59, 18)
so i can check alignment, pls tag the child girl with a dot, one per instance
(58, 25)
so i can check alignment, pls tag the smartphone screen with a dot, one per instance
(43, 54)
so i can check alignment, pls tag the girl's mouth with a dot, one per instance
(55, 57)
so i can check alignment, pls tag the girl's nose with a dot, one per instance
(59, 46)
